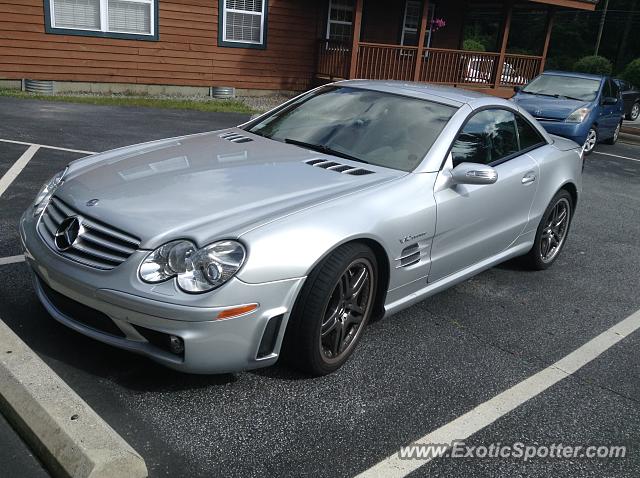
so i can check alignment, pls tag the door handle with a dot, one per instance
(529, 178)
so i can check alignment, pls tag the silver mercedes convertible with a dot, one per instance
(223, 251)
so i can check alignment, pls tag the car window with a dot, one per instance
(527, 134)
(487, 137)
(606, 91)
(615, 90)
(585, 89)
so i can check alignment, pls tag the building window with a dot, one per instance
(108, 18)
(340, 20)
(411, 23)
(243, 23)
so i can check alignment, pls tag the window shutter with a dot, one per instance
(131, 17)
(243, 20)
(77, 14)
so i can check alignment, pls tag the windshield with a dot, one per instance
(369, 126)
(564, 86)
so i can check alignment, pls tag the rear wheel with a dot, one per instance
(552, 232)
(591, 141)
(332, 310)
(616, 133)
(635, 112)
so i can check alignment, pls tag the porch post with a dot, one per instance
(545, 48)
(503, 46)
(355, 43)
(421, 35)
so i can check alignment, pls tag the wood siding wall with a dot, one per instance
(187, 52)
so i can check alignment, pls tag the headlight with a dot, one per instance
(46, 191)
(195, 270)
(578, 115)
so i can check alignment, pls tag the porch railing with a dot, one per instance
(436, 65)
(333, 59)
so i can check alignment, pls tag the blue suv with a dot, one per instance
(582, 107)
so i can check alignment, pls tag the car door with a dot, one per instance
(609, 113)
(627, 94)
(475, 222)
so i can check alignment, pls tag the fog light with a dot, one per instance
(176, 344)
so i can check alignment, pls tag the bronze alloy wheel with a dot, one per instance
(347, 309)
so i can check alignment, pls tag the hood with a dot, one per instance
(547, 107)
(206, 187)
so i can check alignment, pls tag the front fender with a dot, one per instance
(291, 246)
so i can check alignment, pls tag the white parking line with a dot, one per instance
(617, 156)
(18, 166)
(47, 146)
(11, 260)
(488, 412)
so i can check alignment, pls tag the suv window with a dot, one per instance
(527, 134)
(615, 90)
(488, 136)
(606, 90)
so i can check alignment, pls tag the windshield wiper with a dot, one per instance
(324, 149)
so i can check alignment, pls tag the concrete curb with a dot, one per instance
(629, 138)
(66, 434)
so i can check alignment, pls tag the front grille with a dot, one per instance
(80, 313)
(98, 245)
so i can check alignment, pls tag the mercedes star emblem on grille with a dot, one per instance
(67, 233)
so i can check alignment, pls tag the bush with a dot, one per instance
(598, 65)
(631, 72)
(471, 44)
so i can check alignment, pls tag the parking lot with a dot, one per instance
(413, 373)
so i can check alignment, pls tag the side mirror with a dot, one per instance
(517, 89)
(472, 173)
(609, 100)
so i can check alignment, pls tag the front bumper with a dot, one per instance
(573, 131)
(67, 288)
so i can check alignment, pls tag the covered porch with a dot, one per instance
(423, 40)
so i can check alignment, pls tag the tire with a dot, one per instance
(616, 133)
(324, 309)
(635, 112)
(591, 141)
(535, 258)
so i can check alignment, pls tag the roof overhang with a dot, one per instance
(577, 4)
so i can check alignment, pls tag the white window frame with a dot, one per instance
(104, 19)
(431, 12)
(337, 22)
(246, 12)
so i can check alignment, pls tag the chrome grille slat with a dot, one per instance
(84, 248)
(98, 245)
(97, 240)
(110, 232)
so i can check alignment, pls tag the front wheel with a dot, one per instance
(552, 232)
(591, 141)
(332, 310)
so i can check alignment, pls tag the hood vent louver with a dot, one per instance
(337, 167)
(235, 137)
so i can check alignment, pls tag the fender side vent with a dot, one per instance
(410, 255)
(235, 137)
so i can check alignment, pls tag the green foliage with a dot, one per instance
(212, 105)
(598, 65)
(631, 72)
(471, 44)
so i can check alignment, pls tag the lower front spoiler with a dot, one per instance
(216, 346)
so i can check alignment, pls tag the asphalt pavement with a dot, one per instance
(413, 372)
